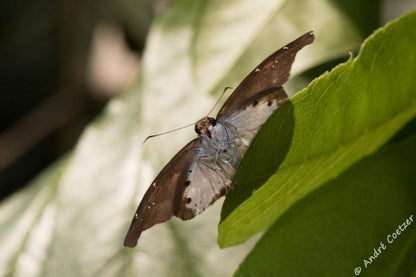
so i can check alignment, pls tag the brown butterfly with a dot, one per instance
(203, 170)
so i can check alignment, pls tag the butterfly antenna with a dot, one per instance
(177, 129)
(174, 130)
(218, 101)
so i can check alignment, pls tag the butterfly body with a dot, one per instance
(218, 140)
(203, 170)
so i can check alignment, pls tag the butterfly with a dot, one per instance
(203, 170)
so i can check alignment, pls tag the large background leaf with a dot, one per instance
(340, 118)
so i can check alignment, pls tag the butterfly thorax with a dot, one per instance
(213, 131)
(219, 140)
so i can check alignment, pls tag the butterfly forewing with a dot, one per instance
(273, 72)
(161, 198)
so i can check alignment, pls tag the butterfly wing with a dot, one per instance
(273, 72)
(159, 203)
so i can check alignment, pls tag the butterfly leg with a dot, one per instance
(225, 180)
(225, 172)
(204, 160)
(230, 129)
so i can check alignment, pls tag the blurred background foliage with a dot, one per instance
(63, 61)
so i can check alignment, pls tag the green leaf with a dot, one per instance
(335, 228)
(340, 118)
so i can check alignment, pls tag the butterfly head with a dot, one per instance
(204, 126)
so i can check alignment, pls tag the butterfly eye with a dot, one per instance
(212, 121)
(197, 129)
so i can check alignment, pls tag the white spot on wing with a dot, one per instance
(285, 47)
(257, 70)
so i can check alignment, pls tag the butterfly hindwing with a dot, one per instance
(160, 200)
(206, 181)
